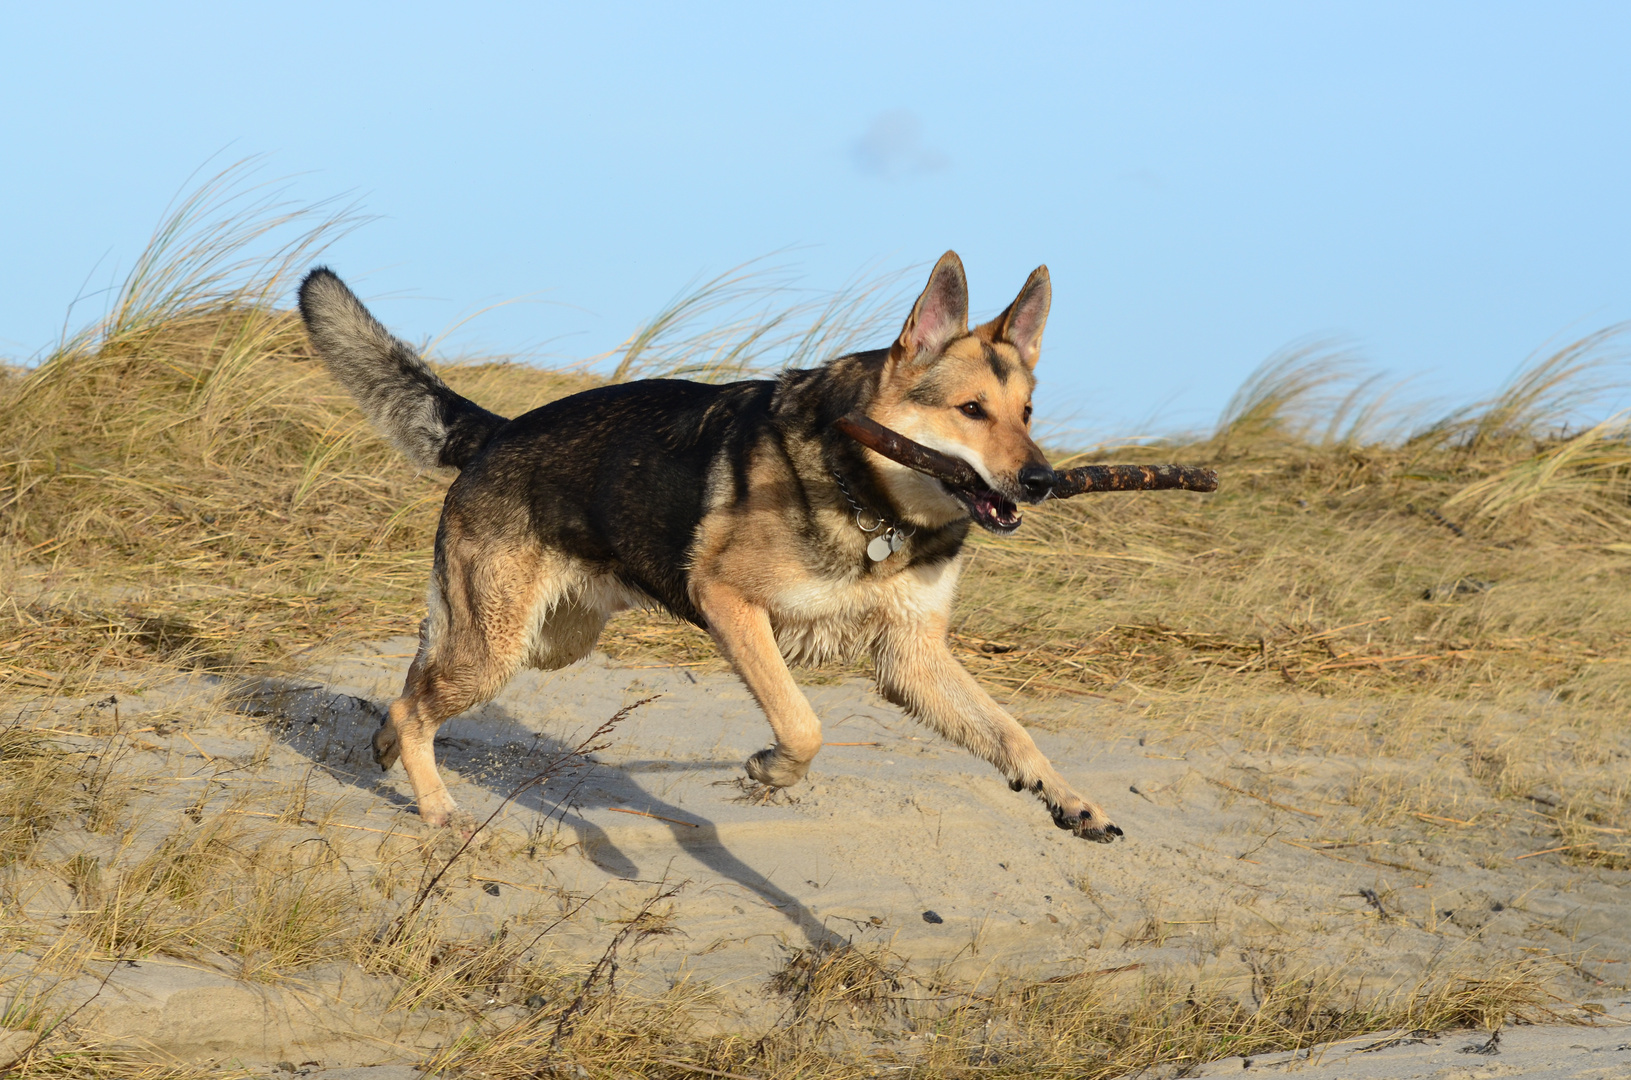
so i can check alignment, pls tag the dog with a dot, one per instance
(734, 506)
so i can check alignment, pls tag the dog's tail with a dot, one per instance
(407, 402)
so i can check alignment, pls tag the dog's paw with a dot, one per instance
(772, 769)
(464, 825)
(1089, 823)
(386, 746)
(437, 809)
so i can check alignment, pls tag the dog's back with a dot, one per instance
(616, 477)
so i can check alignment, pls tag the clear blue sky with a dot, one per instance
(1446, 185)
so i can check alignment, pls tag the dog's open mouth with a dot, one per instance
(990, 510)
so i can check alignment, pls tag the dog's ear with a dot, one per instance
(1020, 325)
(939, 316)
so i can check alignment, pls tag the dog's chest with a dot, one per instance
(818, 619)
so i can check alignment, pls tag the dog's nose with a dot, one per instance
(1037, 480)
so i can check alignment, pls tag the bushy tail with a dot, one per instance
(404, 399)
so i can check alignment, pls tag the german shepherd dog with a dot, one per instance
(737, 507)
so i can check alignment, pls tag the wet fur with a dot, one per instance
(718, 503)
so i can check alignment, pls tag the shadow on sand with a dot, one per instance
(333, 731)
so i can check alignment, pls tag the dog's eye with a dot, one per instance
(1027, 414)
(972, 410)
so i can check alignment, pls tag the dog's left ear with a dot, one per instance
(1021, 323)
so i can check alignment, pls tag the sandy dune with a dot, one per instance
(896, 839)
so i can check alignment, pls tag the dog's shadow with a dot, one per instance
(334, 730)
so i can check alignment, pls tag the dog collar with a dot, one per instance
(885, 543)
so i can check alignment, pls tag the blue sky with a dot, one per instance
(1444, 186)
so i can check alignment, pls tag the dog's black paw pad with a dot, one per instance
(1099, 834)
(1016, 785)
(1082, 825)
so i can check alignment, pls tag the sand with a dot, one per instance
(1538, 1052)
(896, 838)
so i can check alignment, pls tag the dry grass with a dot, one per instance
(189, 449)
(182, 486)
(1098, 1025)
(859, 978)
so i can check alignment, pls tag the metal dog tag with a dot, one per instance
(880, 548)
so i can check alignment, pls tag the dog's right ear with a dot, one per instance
(939, 316)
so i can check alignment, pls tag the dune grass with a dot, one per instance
(183, 487)
(188, 449)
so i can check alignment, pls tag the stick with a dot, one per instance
(1068, 482)
(1087, 478)
(897, 447)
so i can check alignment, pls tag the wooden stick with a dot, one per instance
(1087, 478)
(1068, 482)
(897, 447)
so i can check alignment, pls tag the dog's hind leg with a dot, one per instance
(743, 633)
(434, 693)
(483, 607)
(918, 672)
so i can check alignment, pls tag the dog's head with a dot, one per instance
(967, 393)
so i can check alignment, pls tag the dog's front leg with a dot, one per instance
(742, 631)
(917, 672)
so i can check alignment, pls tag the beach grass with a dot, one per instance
(183, 488)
